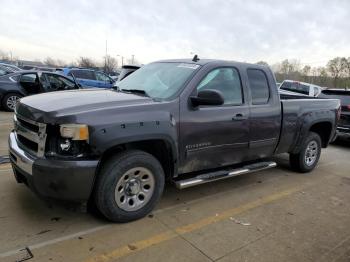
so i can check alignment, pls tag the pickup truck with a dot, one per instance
(185, 121)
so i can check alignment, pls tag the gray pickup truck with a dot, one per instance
(189, 122)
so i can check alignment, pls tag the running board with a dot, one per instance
(223, 174)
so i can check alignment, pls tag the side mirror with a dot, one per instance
(209, 97)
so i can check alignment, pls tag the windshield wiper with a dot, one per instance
(136, 91)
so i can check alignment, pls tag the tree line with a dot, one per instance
(108, 64)
(336, 73)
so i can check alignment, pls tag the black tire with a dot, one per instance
(299, 161)
(6, 101)
(114, 171)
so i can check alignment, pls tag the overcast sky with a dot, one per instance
(311, 31)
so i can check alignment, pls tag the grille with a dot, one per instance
(31, 135)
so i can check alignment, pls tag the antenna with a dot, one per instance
(195, 58)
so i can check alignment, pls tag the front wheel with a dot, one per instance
(10, 100)
(307, 159)
(129, 186)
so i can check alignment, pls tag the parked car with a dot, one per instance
(89, 77)
(11, 67)
(114, 75)
(189, 122)
(4, 70)
(343, 128)
(301, 87)
(127, 70)
(23, 83)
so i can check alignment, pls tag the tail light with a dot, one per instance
(345, 108)
(338, 113)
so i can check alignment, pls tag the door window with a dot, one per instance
(83, 74)
(259, 86)
(102, 77)
(227, 81)
(30, 83)
(59, 83)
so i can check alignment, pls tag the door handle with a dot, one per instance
(239, 117)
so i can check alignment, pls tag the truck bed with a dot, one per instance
(298, 115)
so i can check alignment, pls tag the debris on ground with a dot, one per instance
(132, 247)
(43, 231)
(185, 209)
(28, 254)
(55, 218)
(240, 222)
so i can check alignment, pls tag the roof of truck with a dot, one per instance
(206, 61)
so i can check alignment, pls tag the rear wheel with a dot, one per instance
(129, 186)
(307, 159)
(10, 100)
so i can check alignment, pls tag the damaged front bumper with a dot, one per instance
(59, 179)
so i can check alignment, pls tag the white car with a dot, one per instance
(301, 88)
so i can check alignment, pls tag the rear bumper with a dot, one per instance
(58, 179)
(343, 131)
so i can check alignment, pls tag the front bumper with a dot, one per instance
(59, 179)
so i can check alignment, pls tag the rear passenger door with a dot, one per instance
(265, 113)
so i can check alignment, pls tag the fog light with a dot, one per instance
(66, 145)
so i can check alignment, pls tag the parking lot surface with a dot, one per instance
(274, 215)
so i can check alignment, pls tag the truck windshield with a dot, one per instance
(159, 80)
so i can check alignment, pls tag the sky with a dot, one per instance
(250, 30)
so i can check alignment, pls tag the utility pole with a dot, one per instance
(122, 57)
(132, 59)
(106, 57)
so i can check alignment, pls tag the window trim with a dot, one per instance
(223, 105)
(250, 90)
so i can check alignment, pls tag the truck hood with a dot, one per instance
(48, 106)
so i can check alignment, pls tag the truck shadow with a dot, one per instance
(341, 142)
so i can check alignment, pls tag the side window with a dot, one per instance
(59, 83)
(83, 74)
(259, 86)
(227, 81)
(29, 78)
(102, 77)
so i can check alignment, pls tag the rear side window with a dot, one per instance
(259, 86)
(84, 74)
(296, 87)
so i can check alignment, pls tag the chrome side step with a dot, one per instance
(223, 174)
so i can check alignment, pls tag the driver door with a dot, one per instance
(215, 136)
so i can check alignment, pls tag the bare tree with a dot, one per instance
(263, 63)
(346, 64)
(110, 64)
(4, 56)
(50, 62)
(86, 62)
(306, 72)
(336, 69)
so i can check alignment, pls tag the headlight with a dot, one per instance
(75, 131)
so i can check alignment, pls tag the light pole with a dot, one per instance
(132, 59)
(122, 59)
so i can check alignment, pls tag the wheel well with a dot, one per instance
(323, 129)
(160, 149)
